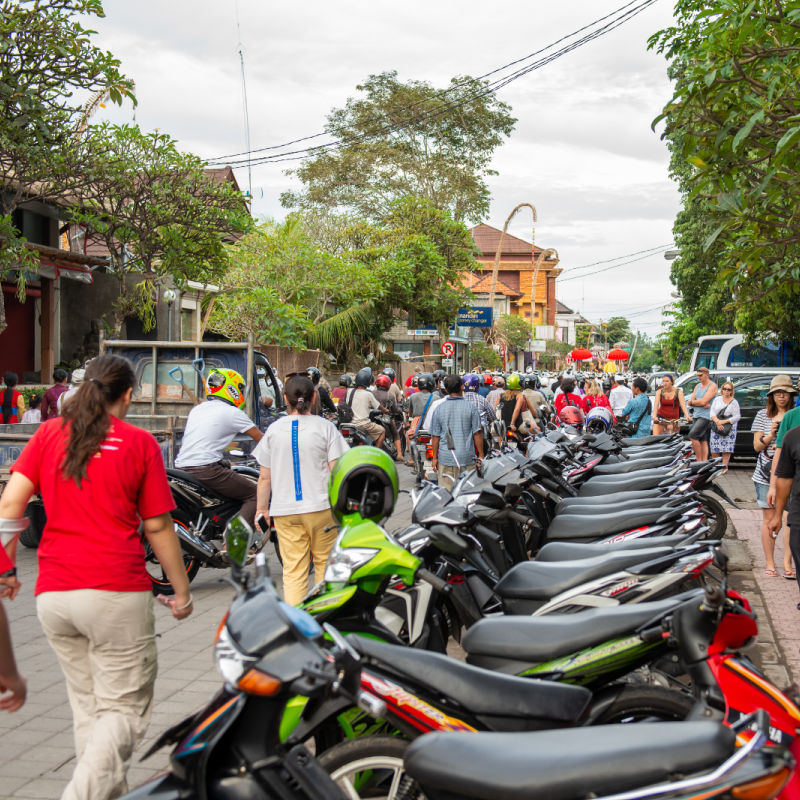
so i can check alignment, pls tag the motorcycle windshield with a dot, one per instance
(431, 501)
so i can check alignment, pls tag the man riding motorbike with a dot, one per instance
(362, 402)
(323, 401)
(210, 428)
(382, 394)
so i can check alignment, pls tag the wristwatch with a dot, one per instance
(9, 573)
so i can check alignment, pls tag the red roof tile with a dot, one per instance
(487, 238)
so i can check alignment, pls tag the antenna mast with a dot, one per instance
(240, 51)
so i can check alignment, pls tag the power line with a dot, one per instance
(606, 269)
(617, 20)
(627, 255)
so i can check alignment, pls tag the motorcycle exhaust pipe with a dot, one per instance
(194, 544)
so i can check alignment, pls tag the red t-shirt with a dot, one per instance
(596, 401)
(5, 561)
(91, 538)
(571, 399)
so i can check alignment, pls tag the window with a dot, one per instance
(167, 386)
(753, 395)
(769, 354)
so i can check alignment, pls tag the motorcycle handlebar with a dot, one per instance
(437, 583)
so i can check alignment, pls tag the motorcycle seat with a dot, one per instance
(601, 506)
(578, 526)
(481, 691)
(567, 551)
(656, 495)
(187, 477)
(630, 441)
(634, 465)
(536, 639)
(543, 580)
(648, 479)
(566, 764)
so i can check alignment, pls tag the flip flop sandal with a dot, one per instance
(772, 573)
(790, 575)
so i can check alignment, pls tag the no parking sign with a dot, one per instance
(448, 349)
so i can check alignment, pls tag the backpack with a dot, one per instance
(344, 409)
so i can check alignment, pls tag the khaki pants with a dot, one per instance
(298, 536)
(105, 643)
(451, 473)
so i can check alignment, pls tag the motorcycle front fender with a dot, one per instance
(722, 493)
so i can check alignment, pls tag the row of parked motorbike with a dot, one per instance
(583, 583)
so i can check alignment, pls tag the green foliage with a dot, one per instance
(340, 286)
(407, 139)
(513, 331)
(617, 329)
(583, 335)
(732, 123)
(485, 356)
(46, 56)
(157, 212)
(646, 354)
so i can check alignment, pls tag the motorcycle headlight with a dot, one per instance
(231, 662)
(343, 562)
(466, 500)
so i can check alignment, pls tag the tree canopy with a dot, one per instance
(407, 139)
(46, 58)
(733, 124)
(342, 292)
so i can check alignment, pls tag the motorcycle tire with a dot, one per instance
(716, 516)
(156, 572)
(32, 535)
(369, 766)
(640, 703)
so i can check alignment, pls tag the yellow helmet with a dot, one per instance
(227, 385)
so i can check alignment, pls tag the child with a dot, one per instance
(34, 413)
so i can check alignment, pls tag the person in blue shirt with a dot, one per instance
(639, 409)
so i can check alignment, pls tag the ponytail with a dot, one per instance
(299, 393)
(11, 379)
(107, 379)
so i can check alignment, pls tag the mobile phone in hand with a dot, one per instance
(262, 523)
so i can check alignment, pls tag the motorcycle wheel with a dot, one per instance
(716, 516)
(154, 569)
(371, 767)
(642, 703)
(32, 535)
(389, 448)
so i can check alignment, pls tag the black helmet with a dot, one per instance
(438, 374)
(346, 380)
(425, 382)
(391, 373)
(314, 374)
(529, 382)
(364, 377)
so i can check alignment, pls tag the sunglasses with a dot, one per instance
(727, 390)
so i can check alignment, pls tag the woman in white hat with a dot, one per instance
(780, 399)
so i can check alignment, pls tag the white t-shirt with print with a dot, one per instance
(297, 449)
(210, 427)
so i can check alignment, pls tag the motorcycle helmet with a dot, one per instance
(346, 380)
(364, 481)
(599, 420)
(488, 379)
(227, 385)
(438, 375)
(391, 373)
(314, 375)
(471, 382)
(528, 382)
(383, 381)
(513, 382)
(426, 382)
(499, 382)
(364, 377)
(572, 415)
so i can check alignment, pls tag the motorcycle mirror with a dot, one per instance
(238, 541)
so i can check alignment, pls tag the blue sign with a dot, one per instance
(475, 317)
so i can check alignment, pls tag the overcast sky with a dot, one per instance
(582, 152)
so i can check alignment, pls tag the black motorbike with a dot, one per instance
(356, 437)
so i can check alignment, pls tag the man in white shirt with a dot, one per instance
(210, 428)
(619, 396)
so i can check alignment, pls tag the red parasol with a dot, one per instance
(581, 354)
(617, 355)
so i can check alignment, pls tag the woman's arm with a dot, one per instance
(682, 403)
(263, 489)
(10, 679)
(734, 411)
(161, 536)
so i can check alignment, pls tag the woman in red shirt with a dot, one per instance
(100, 478)
(12, 402)
(567, 396)
(594, 397)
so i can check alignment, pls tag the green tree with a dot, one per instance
(407, 139)
(512, 331)
(734, 119)
(617, 329)
(46, 57)
(485, 356)
(583, 335)
(157, 211)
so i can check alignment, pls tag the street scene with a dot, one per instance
(399, 402)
